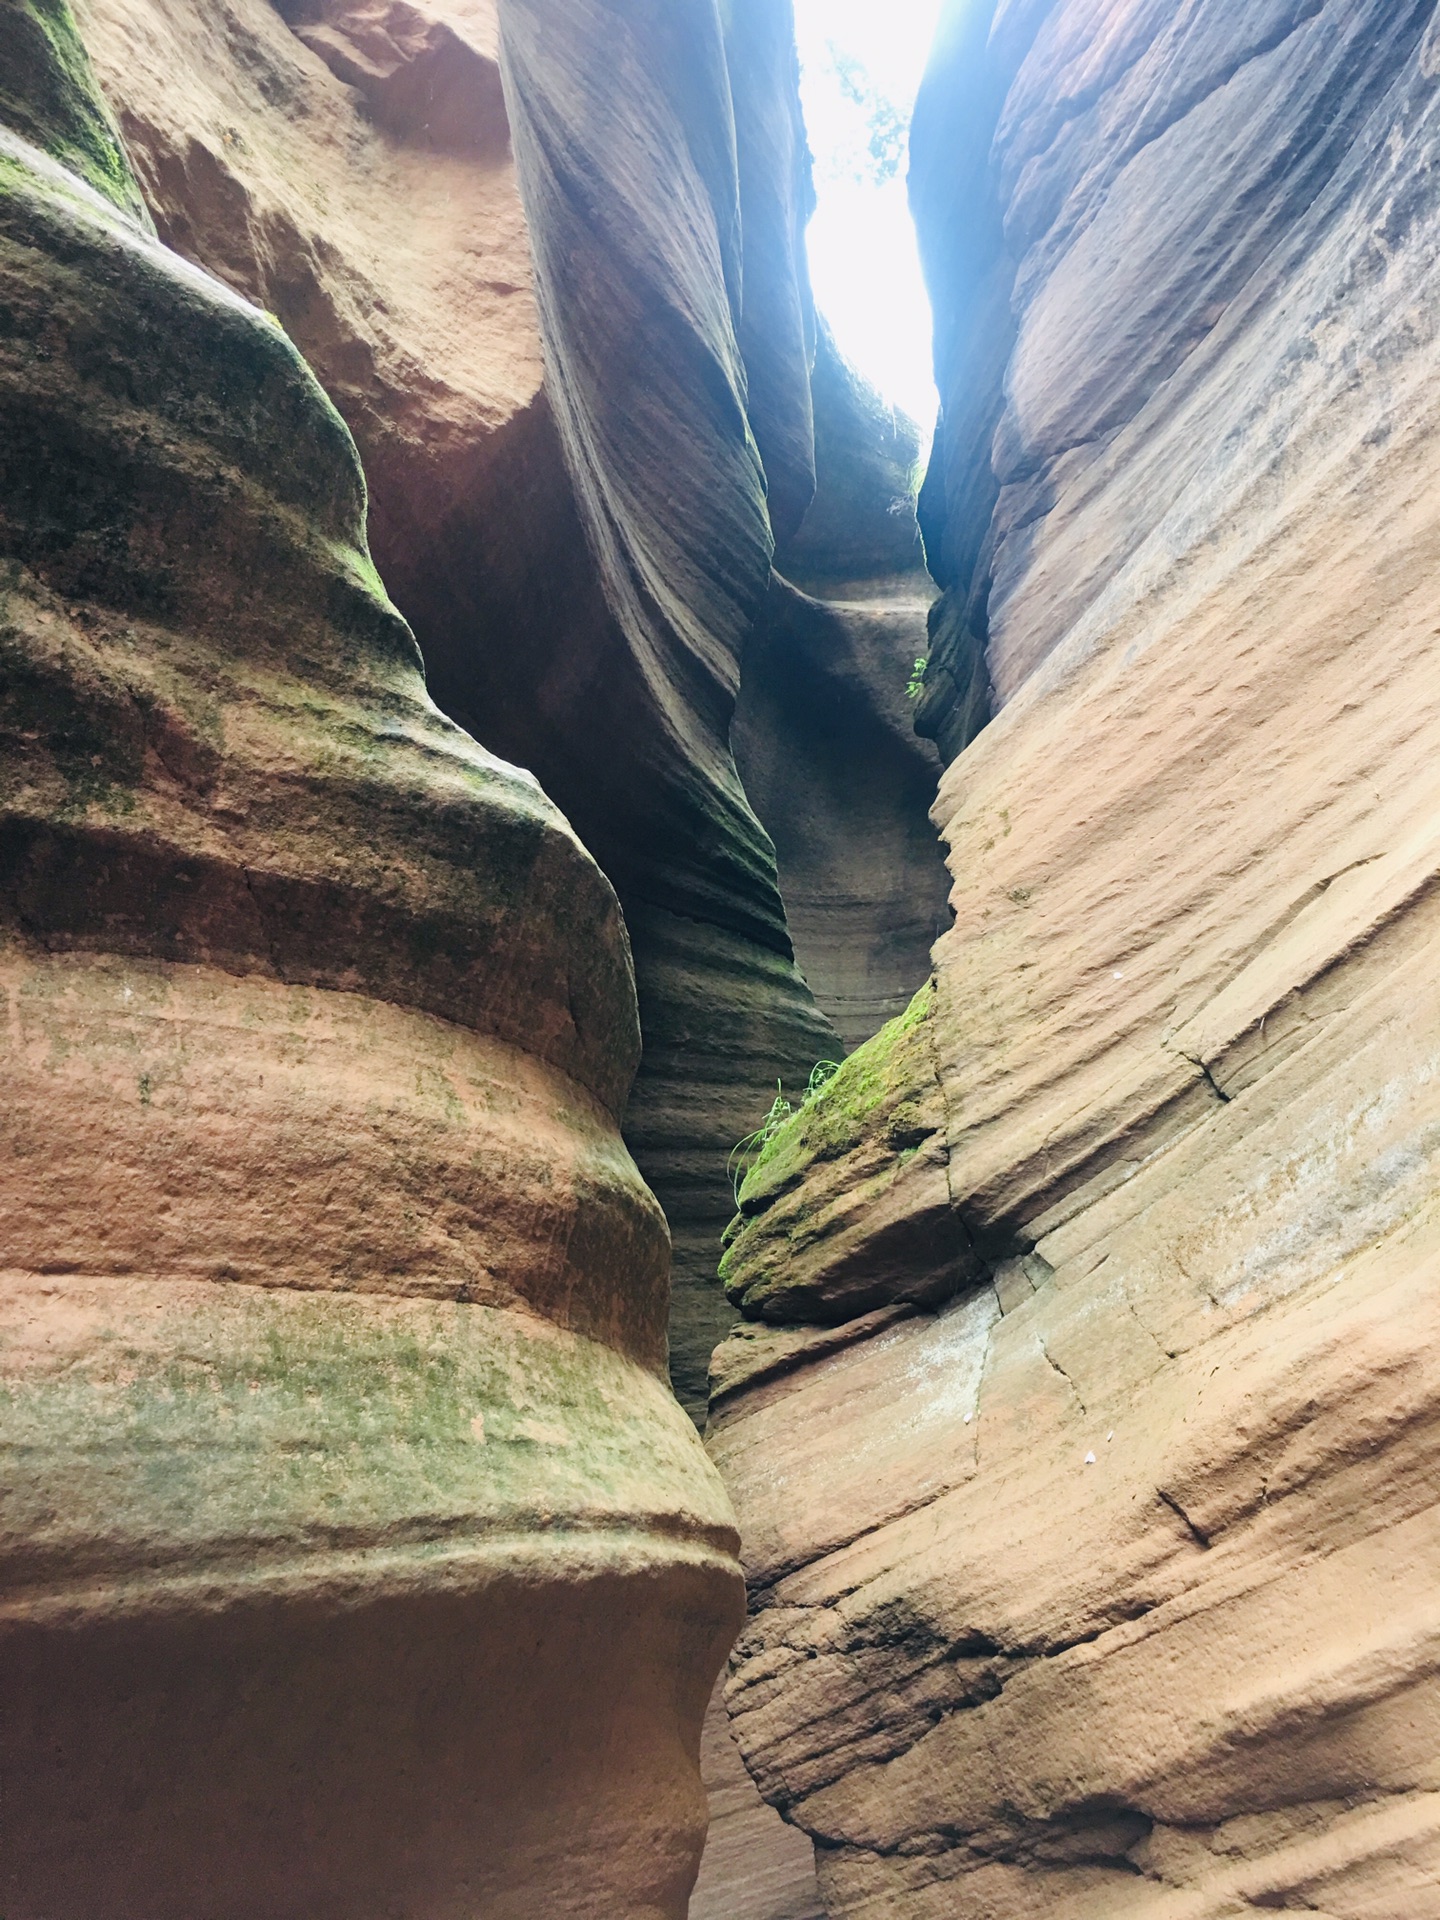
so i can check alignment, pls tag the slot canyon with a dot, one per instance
(719, 1129)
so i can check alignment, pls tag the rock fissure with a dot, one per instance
(1197, 1534)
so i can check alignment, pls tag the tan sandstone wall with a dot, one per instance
(581, 559)
(583, 554)
(1089, 1494)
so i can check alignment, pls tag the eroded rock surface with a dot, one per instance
(755, 1866)
(580, 560)
(357, 1558)
(625, 135)
(1107, 1586)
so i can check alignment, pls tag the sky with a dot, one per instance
(860, 67)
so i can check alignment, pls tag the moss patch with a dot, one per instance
(232, 1414)
(833, 1120)
(49, 95)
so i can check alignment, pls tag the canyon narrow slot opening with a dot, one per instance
(860, 69)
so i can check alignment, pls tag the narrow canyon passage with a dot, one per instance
(718, 1125)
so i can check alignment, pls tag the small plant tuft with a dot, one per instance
(821, 1074)
(745, 1152)
(915, 686)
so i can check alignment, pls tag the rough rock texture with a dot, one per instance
(1108, 1586)
(357, 1560)
(824, 736)
(580, 596)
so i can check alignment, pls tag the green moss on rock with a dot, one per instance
(847, 1209)
(834, 1119)
(49, 95)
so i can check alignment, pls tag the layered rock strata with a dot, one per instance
(755, 1867)
(580, 558)
(646, 263)
(1084, 1443)
(357, 1558)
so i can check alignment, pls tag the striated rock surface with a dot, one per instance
(357, 1558)
(580, 559)
(824, 735)
(776, 327)
(1085, 1445)
(625, 136)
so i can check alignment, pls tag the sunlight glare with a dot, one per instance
(860, 67)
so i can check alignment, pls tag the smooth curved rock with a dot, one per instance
(357, 1558)
(776, 328)
(1122, 1602)
(351, 171)
(624, 132)
(959, 219)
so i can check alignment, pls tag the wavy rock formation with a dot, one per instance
(1084, 1441)
(625, 129)
(580, 558)
(358, 1560)
(823, 734)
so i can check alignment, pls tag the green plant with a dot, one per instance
(821, 1074)
(745, 1151)
(915, 686)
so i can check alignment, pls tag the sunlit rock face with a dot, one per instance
(357, 1559)
(1085, 1439)
(580, 557)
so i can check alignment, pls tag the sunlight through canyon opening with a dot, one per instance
(860, 69)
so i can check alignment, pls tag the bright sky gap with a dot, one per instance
(860, 67)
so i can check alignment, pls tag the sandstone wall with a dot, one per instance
(646, 262)
(357, 1558)
(580, 560)
(585, 560)
(1088, 1496)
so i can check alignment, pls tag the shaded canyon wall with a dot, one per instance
(582, 557)
(824, 725)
